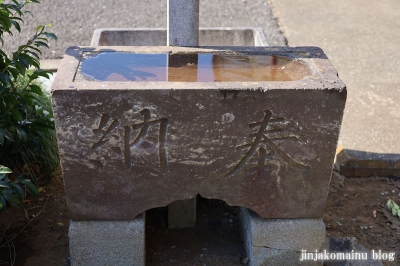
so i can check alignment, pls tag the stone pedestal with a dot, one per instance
(107, 242)
(132, 139)
(280, 241)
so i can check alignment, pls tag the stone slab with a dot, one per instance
(263, 256)
(280, 247)
(212, 36)
(50, 64)
(107, 243)
(200, 138)
(291, 234)
(353, 163)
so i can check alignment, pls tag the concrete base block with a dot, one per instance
(107, 242)
(277, 257)
(280, 241)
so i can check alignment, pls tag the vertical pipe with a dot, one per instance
(183, 23)
(182, 30)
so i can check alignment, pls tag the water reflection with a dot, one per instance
(122, 66)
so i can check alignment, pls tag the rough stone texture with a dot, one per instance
(262, 256)
(180, 215)
(183, 22)
(292, 234)
(238, 36)
(93, 243)
(192, 144)
(362, 164)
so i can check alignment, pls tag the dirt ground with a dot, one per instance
(38, 233)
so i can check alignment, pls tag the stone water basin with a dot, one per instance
(141, 127)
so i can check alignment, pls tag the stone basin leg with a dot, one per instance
(280, 241)
(114, 242)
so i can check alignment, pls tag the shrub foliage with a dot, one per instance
(28, 144)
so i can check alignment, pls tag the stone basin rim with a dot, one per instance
(323, 75)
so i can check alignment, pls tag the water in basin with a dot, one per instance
(191, 67)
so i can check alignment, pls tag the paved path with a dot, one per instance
(75, 20)
(362, 40)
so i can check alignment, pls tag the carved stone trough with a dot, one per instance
(256, 127)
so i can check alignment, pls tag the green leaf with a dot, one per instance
(36, 89)
(7, 192)
(50, 35)
(4, 184)
(4, 77)
(39, 28)
(389, 204)
(34, 54)
(32, 189)
(19, 191)
(22, 134)
(42, 73)
(30, 60)
(16, 114)
(22, 177)
(7, 134)
(5, 170)
(1, 138)
(13, 200)
(44, 123)
(2, 176)
(2, 203)
(16, 25)
(13, 71)
(21, 68)
(35, 49)
(24, 62)
(40, 44)
(28, 99)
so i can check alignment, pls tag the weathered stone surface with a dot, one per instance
(107, 242)
(353, 163)
(127, 147)
(180, 216)
(215, 36)
(292, 234)
(262, 256)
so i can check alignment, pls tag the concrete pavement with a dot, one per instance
(74, 21)
(362, 41)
